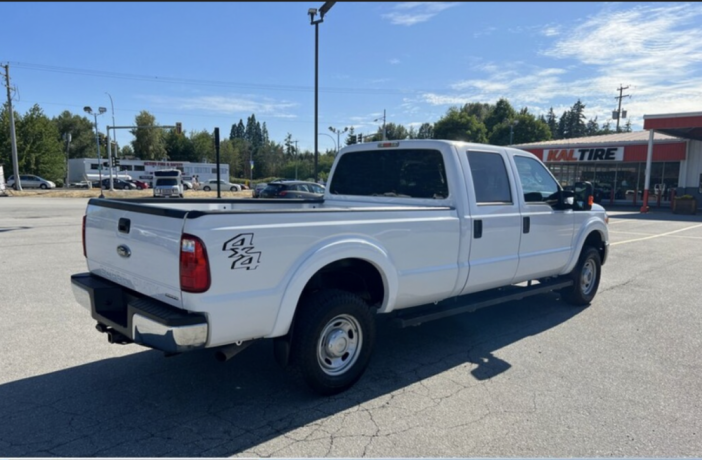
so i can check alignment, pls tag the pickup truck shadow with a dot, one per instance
(145, 405)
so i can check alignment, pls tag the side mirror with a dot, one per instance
(562, 199)
(584, 196)
(568, 198)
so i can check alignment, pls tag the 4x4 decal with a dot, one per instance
(243, 253)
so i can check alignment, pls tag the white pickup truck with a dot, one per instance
(416, 229)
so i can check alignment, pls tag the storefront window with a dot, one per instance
(628, 181)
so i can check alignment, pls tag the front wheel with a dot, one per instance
(206, 188)
(586, 278)
(333, 340)
(43, 186)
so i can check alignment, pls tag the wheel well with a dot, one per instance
(352, 275)
(594, 239)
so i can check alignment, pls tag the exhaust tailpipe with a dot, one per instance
(227, 352)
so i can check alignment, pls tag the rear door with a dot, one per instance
(136, 246)
(495, 219)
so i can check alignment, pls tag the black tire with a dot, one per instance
(586, 278)
(233, 189)
(206, 188)
(43, 186)
(346, 324)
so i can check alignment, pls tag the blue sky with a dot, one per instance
(209, 65)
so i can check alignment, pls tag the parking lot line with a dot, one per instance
(656, 236)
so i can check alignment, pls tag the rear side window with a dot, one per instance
(405, 173)
(490, 178)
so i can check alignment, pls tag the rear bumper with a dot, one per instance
(141, 319)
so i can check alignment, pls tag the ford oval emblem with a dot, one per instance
(124, 251)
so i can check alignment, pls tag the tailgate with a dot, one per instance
(136, 246)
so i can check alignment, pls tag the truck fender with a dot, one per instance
(593, 224)
(324, 255)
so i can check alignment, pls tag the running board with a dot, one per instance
(472, 302)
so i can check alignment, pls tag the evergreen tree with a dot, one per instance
(351, 137)
(552, 124)
(426, 131)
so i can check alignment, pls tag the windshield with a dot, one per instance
(166, 181)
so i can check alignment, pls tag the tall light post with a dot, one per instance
(67, 138)
(313, 12)
(512, 124)
(100, 111)
(109, 143)
(296, 157)
(330, 137)
(338, 133)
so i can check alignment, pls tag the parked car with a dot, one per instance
(187, 185)
(257, 189)
(118, 184)
(224, 185)
(292, 189)
(30, 181)
(140, 184)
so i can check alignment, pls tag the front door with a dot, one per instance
(547, 233)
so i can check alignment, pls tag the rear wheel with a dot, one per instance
(586, 278)
(206, 188)
(333, 340)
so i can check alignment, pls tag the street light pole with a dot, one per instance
(330, 137)
(296, 157)
(109, 143)
(512, 124)
(67, 138)
(313, 12)
(100, 111)
(338, 133)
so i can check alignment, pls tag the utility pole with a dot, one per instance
(13, 139)
(378, 119)
(620, 97)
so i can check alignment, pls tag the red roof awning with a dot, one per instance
(683, 125)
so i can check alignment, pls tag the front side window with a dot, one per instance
(490, 179)
(404, 173)
(538, 185)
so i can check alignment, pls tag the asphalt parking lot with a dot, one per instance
(536, 378)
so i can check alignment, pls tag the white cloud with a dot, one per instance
(411, 13)
(394, 61)
(551, 31)
(227, 105)
(655, 51)
(485, 32)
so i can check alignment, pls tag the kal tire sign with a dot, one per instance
(586, 154)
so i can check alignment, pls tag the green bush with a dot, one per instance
(684, 197)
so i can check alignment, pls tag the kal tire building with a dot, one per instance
(670, 149)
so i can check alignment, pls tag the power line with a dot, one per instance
(160, 79)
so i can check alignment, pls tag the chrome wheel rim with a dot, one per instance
(588, 277)
(339, 345)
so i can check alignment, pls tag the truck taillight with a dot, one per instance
(194, 266)
(85, 253)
